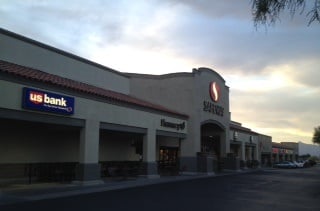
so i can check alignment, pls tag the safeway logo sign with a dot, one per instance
(214, 91)
(48, 102)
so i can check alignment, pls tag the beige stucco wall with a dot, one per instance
(244, 137)
(93, 112)
(185, 92)
(91, 109)
(245, 152)
(176, 93)
(265, 143)
(30, 55)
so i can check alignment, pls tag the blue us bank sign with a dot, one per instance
(47, 102)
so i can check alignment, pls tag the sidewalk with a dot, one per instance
(38, 191)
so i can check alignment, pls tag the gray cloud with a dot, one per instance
(222, 35)
(217, 34)
(214, 33)
(236, 46)
(308, 73)
(217, 8)
(283, 108)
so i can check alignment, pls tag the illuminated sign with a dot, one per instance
(48, 102)
(176, 126)
(212, 108)
(214, 90)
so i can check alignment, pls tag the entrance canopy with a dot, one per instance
(211, 128)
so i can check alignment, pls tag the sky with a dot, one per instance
(272, 72)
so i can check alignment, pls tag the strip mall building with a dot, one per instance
(62, 115)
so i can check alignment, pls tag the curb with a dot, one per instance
(8, 198)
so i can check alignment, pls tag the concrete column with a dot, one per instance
(189, 148)
(277, 157)
(270, 158)
(149, 154)
(250, 153)
(89, 168)
(243, 151)
(256, 154)
(224, 144)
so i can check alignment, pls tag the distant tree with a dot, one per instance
(266, 12)
(316, 135)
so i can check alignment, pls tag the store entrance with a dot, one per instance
(211, 145)
(168, 161)
(210, 155)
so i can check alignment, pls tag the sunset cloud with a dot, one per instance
(272, 73)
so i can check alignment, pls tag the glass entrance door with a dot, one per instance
(168, 161)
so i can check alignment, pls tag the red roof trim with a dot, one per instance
(279, 145)
(37, 75)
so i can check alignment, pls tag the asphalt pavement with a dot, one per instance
(38, 191)
(258, 190)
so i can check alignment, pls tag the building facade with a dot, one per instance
(303, 150)
(293, 148)
(244, 145)
(265, 148)
(65, 117)
(281, 152)
(62, 112)
(204, 96)
(308, 149)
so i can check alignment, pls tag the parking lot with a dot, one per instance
(295, 164)
(269, 189)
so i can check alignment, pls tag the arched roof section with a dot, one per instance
(213, 122)
(207, 70)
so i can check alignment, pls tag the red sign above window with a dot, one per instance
(214, 91)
